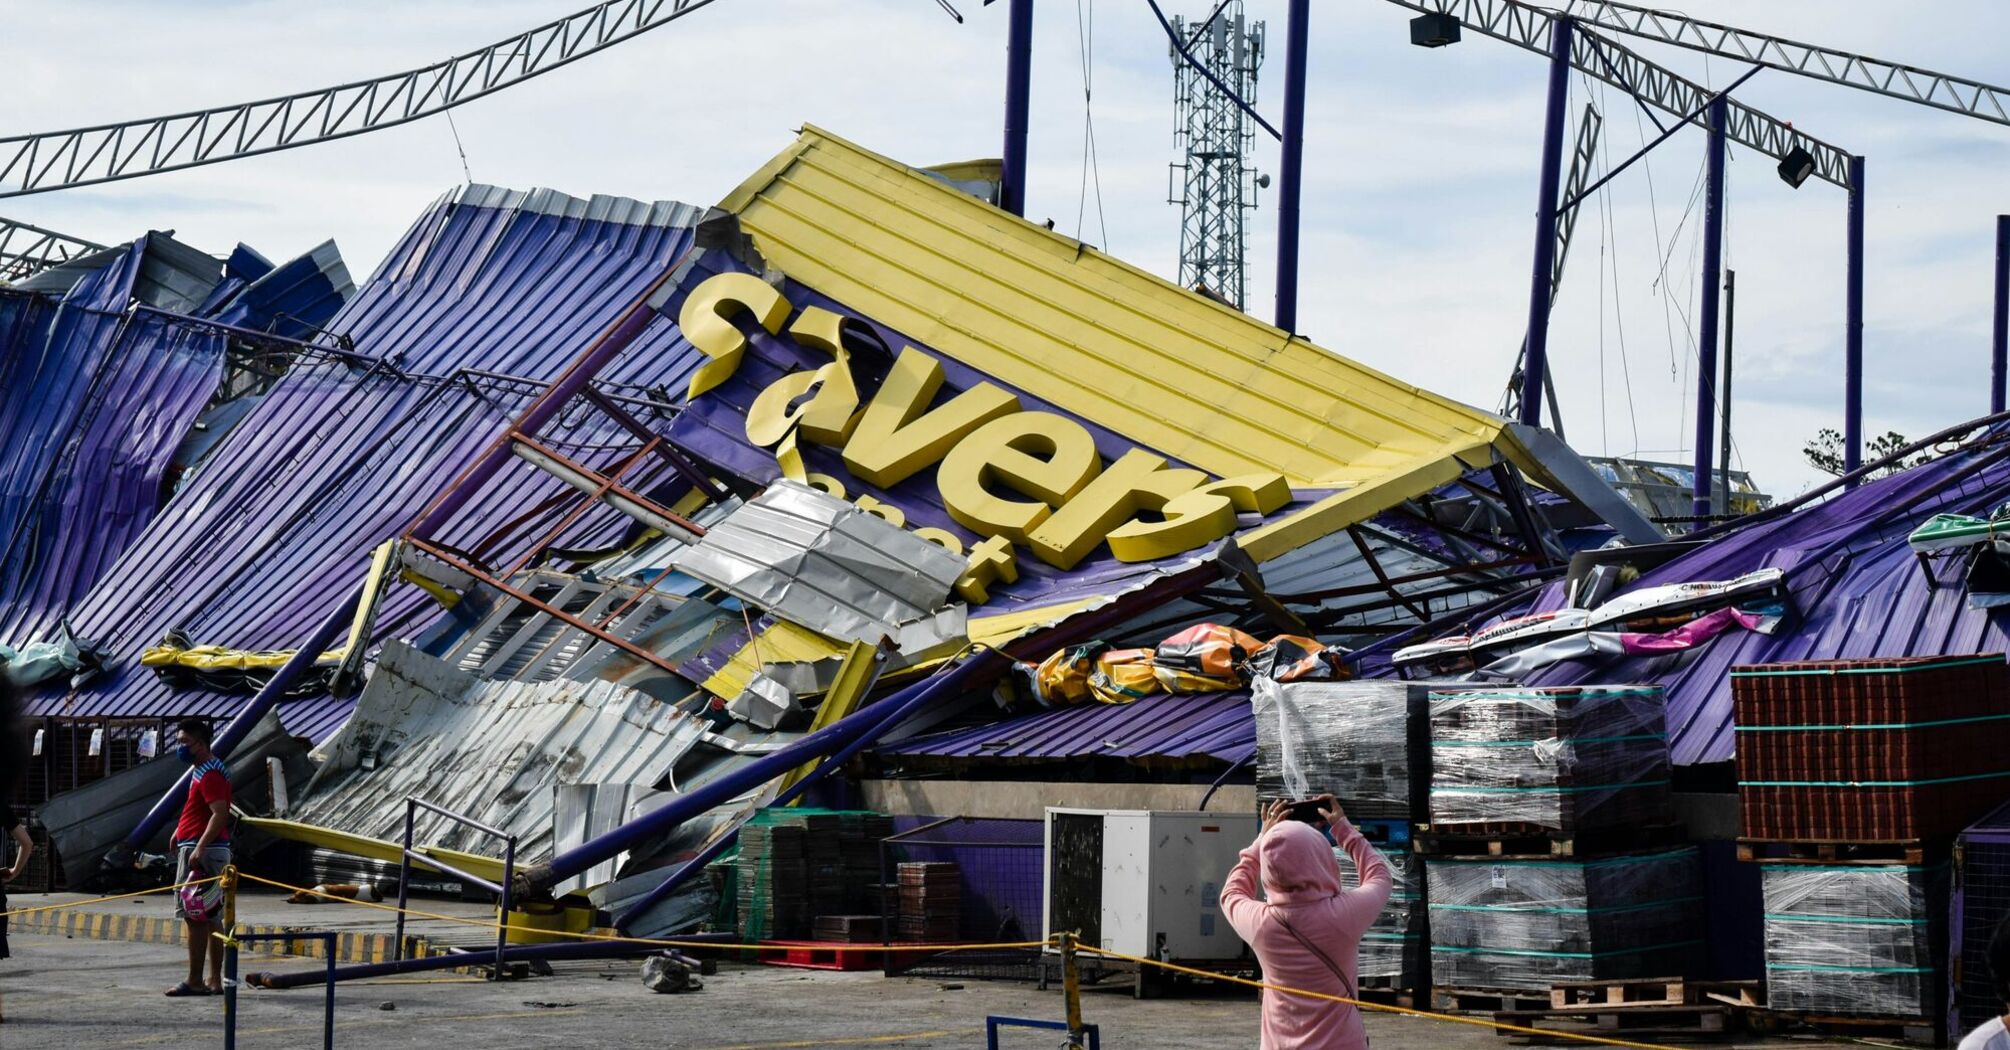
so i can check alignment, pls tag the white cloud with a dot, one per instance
(1420, 180)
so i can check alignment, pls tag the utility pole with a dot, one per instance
(1291, 164)
(1018, 94)
(1853, 327)
(1540, 293)
(1999, 357)
(1706, 336)
(1724, 444)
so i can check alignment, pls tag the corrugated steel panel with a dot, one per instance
(92, 405)
(1161, 728)
(257, 547)
(492, 751)
(811, 558)
(294, 298)
(99, 398)
(1858, 592)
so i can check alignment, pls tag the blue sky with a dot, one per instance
(1421, 170)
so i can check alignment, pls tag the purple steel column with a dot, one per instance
(1536, 362)
(1999, 356)
(1706, 339)
(1853, 329)
(1291, 163)
(240, 726)
(1018, 92)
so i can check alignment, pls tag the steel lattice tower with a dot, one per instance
(1213, 182)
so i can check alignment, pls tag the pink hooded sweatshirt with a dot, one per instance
(1301, 878)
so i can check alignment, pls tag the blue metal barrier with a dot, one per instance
(327, 940)
(994, 1023)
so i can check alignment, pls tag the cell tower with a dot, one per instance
(1213, 182)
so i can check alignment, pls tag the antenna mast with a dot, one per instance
(1213, 182)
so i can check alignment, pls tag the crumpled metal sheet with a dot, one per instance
(337, 457)
(823, 563)
(492, 751)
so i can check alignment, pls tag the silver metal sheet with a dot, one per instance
(493, 751)
(823, 563)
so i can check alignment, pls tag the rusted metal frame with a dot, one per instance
(635, 650)
(1328, 617)
(1524, 518)
(665, 451)
(1455, 535)
(610, 486)
(586, 503)
(502, 532)
(1422, 612)
(640, 593)
(616, 337)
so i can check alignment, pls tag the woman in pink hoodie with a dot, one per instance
(1307, 934)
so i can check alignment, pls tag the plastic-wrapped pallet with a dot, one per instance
(1394, 951)
(1501, 923)
(1864, 939)
(1563, 760)
(1366, 742)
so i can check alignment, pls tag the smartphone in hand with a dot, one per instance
(1307, 811)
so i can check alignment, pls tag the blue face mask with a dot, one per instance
(182, 752)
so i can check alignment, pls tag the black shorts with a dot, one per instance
(3, 926)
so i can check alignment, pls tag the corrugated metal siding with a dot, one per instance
(98, 399)
(492, 751)
(1160, 728)
(92, 405)
(277, 527)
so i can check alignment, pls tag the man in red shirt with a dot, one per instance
(202, 850)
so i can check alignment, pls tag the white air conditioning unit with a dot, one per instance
(1144, 883)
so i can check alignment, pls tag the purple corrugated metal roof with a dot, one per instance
(1158, 728)
(97, 400)
(1858, 590)
(278, 526)
(92, 405)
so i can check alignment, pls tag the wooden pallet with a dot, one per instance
(815, 955)
(1830, 851)
(1632, 1020)
(1486, 1000)
(1647, 991)
(1922, 1030)
(1391, 991)
(1518, 839)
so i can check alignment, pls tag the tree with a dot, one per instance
(1825, 452)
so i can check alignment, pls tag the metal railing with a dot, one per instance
(328, 947)
(501, 890)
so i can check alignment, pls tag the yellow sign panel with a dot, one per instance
(1019, 477)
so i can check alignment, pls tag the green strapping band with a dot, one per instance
(1435, 948)
(1606, 861)
(1876, 725)
(1830, 672)
(1609, 909)
(1555, 790)
(1851, 969)
(1855, 867)
(1846, 920)
(1868, 783)
(1574, 740)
